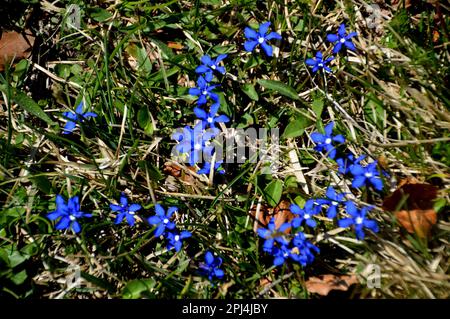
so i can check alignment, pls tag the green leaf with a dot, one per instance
(317, 106)
(273, 192)
(19, 278)
(249, 89)
(279, 87)
(29, 105)
(16, 258)
(100, 15)
(135, 288)
(145, 121)
(295, 128)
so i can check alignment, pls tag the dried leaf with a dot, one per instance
(14, 45)
(324, 284)
(417, 221)
(416, 213)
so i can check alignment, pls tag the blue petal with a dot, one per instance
(273, 35)
(278, 261)
(134, 207)
(69, 127)
(209, 258)
(222, 119)
(115, 208)
(249, 46)
(345, 222)
(349, 44)
(159, 210)
(264, 27)
(79, 108)
(351, 35)
(206, 59)
(159, 230)
(89, 114)
(359, 181)
(171, 210)
(194, 91)
(250, 34)
(63, 223)
(372, 225)
(317, 137)
(201, 114)
(310, 62)
(119, 218)
(201, 69)
(332, 37)
(219, 273)
(341, 30)
(76, 227)
(130, 219)
(377, 183)
(337, 47)
(339, 138)
(267, 48)
(54, 215)
(154, 220)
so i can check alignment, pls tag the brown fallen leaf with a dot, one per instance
(15, 46)
(412, 204)
(417, 221)
(323, 284)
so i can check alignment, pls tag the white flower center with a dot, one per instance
(205, 92)
(342, 40)
(368, 174)
(285, 254)
(131, 213)
(320, 64)
(334, 203)
(165, 221)
(72, 218)
(359, 220)
(197, 147)
(177, 238)
(306, 216)
(210, 120)
(260, 40)
(328, 141)
(213, 66)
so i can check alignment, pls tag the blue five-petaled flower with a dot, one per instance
(358, 219)
(204, 91)
(325, 141)
(272, 234)
(73, 118)
(319, 63)
(305, 214)
(260, 37)
(210, 267)
(342, 39)
(176, 239)
(366, 175)
(125, 210)
(333, 200)
(162, 220)
(209, 65)
(210, 119)
(68, 213)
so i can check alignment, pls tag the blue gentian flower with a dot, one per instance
(125, 210)
(68, 213)
(281, 255)
(272, 234)
(305, 214)
(333, 200)
(204, 91)
(366, 175)
(342, 39)
(176, 239)
(302, 251)
(210, 119)
(319, 62)
(345, 164)
(260, 37)
(210, 65)
(325, 141)
(358, 219)
(193, 141)
(73, 118)
(162, 220)
(210, 267)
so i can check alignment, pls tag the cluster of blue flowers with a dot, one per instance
(196, 141)
(283, 246)
(341, 40)
(363, 175)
